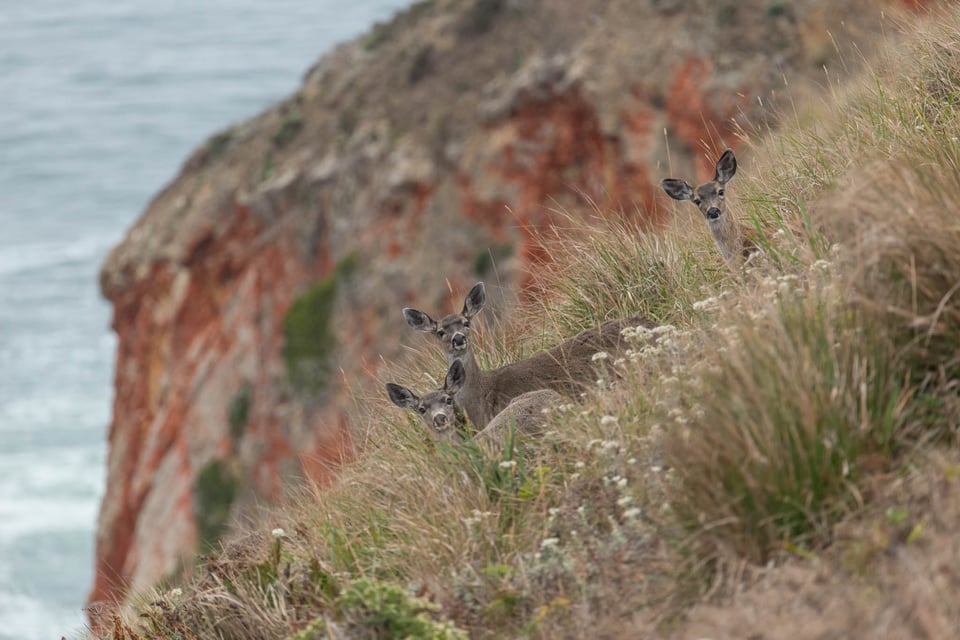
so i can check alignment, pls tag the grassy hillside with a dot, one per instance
(762, 429)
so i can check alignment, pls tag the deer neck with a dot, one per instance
(728, 236)
(472, 396)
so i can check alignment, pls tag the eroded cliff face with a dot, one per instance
(265, 281)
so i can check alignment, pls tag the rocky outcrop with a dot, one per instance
(264, 283)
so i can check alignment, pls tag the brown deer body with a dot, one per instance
(730, 236)
(566, 368)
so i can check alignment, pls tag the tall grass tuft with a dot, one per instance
(609, 268)
(773, 425)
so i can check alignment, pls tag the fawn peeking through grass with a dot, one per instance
(730, 236)
(444, 418)
(566, 368)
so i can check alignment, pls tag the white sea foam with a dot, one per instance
(102, 103)
(23, 616)
(21, 258)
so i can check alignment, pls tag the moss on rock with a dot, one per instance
(213, 494)
(308, 337)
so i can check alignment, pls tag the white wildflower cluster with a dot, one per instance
(477, 517)
(278, 533)
(508, 464)
(599, 356)
(615, 480)
(787, 283)
(633, 513)
(821, 265)
(549, 543)
(707, 304)
(609, 421)
(604, 446)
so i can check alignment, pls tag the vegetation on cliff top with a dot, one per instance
(771, 410)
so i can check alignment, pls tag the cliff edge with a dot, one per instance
(264, 283)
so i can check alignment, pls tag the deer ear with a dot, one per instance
(726, 167)
(456, 377)
(402, 397)
(419, 320)
(474, 301)
(677, 189)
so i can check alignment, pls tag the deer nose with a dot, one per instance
(440, 420)
(459, 340)
(713, 213)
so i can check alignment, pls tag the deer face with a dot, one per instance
(453, 331)
(709, 196)
(437, 409)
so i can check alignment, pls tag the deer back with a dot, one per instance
(567, 368)
(525, 414)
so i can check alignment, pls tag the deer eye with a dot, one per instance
(696, 201)
(441, 333)
(422, 410)
(466, 324)
(448, 400)
(720, 193)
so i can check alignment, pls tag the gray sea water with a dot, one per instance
(100, 102)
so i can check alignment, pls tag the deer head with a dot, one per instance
(709, 198)
(438, 409)
(453, 331)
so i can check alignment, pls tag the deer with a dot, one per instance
(730, 236)
(566, 368)
(445, 419)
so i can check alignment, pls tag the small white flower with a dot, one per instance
(656, 469)
(621, 482)
(703, 305)
(579, 464)
(624, 501)
(632, 461)
(608, 421)
(599, 355)
(176, 593)
(278, 533)
(549, 542)
(632, 513)
(508, 464)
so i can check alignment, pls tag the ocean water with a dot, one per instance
(100, 102)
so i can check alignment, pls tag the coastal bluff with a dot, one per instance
(259, 293)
